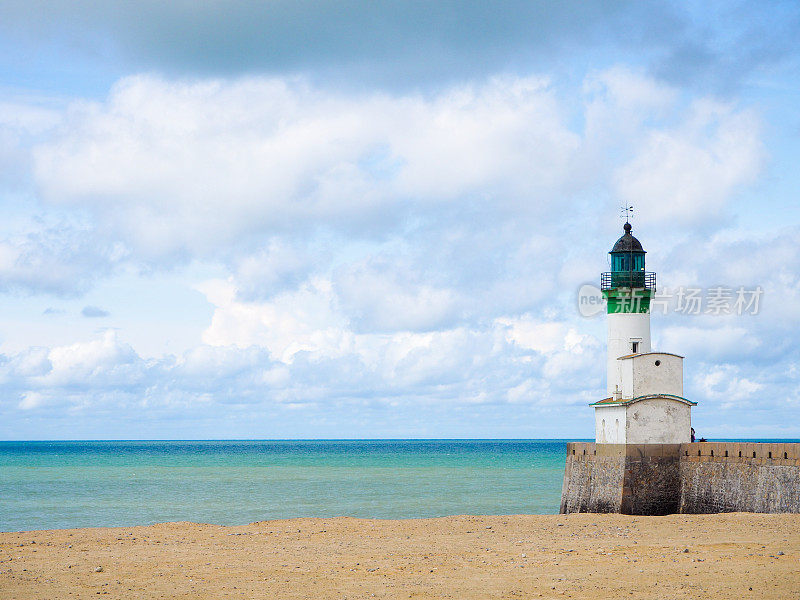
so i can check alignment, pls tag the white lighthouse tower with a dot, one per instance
(644, 403)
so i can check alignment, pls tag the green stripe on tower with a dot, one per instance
(628, 301)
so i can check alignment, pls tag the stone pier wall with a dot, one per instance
(730, 477)
(658, 479)
(592, 481)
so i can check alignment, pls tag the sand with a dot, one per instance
(578, 556)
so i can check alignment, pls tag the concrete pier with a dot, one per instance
(659, 479)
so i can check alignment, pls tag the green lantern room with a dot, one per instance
(628, 287)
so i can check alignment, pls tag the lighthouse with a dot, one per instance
(643, 461)
(644, 389)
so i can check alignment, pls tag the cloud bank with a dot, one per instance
(389, 255)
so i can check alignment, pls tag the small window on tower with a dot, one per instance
(635, 347)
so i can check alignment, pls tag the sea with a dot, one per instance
(66, 484)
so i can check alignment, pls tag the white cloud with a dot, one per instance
(106, 361)
(63, 257)
(28, 116)
(279, 266)
(720, 340)
(382, 250)
(689, 172)
(24, 120)
(281, 180)
(194, 166)
(305, 320)
(567, 353)
(31, 400)
(381, 295)
(618, 102)
(725, 384)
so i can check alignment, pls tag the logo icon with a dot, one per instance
(591, 301)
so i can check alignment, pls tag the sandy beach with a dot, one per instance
(578, 556)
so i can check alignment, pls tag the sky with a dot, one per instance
(353, 219)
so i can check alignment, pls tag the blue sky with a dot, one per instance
(372, 219)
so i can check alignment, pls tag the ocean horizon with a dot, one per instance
(100, 483)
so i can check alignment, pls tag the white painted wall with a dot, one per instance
(609, 424)
(658, 421)
(649, 378)
(641, 376)
(623, 328)
(626, 376)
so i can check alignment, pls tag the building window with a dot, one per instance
(635, 347)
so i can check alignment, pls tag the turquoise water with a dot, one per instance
(48, 485)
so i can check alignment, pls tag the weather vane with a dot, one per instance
(627, 212)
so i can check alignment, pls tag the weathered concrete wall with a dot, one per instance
(652, 479)
(593, 483)
(761, 478)
(609, 424)
(621, 478)
(657, 479)
(658, 421)
(641, 376)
